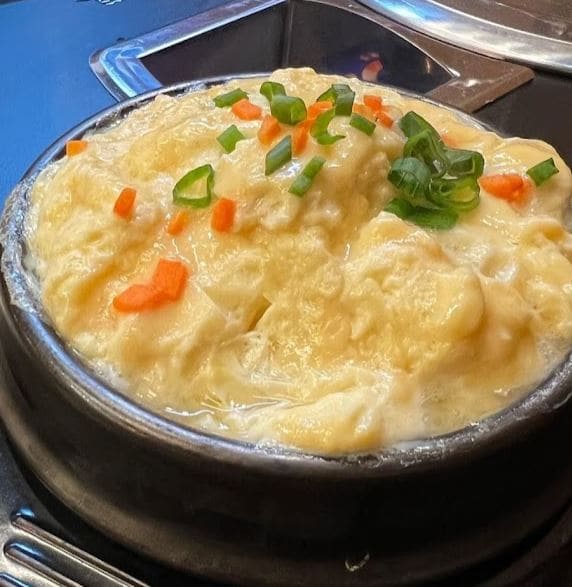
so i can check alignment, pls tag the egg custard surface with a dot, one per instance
(343, 319)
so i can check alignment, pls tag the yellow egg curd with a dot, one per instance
(321, 323)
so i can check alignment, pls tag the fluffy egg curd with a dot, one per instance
(311, 262)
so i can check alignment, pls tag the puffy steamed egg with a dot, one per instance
(320, 321)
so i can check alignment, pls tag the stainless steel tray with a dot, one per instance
(330, 35)
(535, 32)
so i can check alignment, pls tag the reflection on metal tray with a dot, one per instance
(333, 36)
(535, 32)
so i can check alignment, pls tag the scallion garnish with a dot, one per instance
(411, 177)
(463, 163)
(460, 194)
(361, 123)
(436, 219)
(426, 217)
(435, 182)
(344, 103)
(400, 207)
(342, 96)
(543, 171)
(304, 181)
(229, 138)
(271, 89)
(319, 129)
(288, 109)
(425, 147)
(188, 191)
(278, 156)
(412, 124)
(228, 99)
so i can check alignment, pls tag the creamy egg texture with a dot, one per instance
(321, 323)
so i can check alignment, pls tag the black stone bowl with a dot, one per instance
(235, 512)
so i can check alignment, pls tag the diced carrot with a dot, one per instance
(138, 298)
(524, 191)
(246, 110)
(222, 217)
(167, 285)
(299, 138)
(508, 186)
(373, 102)
(383, 117)
(75, 147)
(269, 129)
(124, 203)
(315, 109)
(178, 222)
(170, 278)
(362, 110)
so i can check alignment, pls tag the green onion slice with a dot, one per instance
(361, 123)
(342, 96)
(271, 89)
(425, 147)
(462, 163)
(229, 98)
(460, 194)
(425, 217)
(304, 181)
(191, 191)
(345, 103)
(412, 124)
(435, 183)
(279, 155)
(288, 109)
(319, 129)
(400, 207)
(229, 138)
(543, 171)
(435, 219)
(411, 177)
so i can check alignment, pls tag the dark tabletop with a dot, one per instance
(47, 86)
